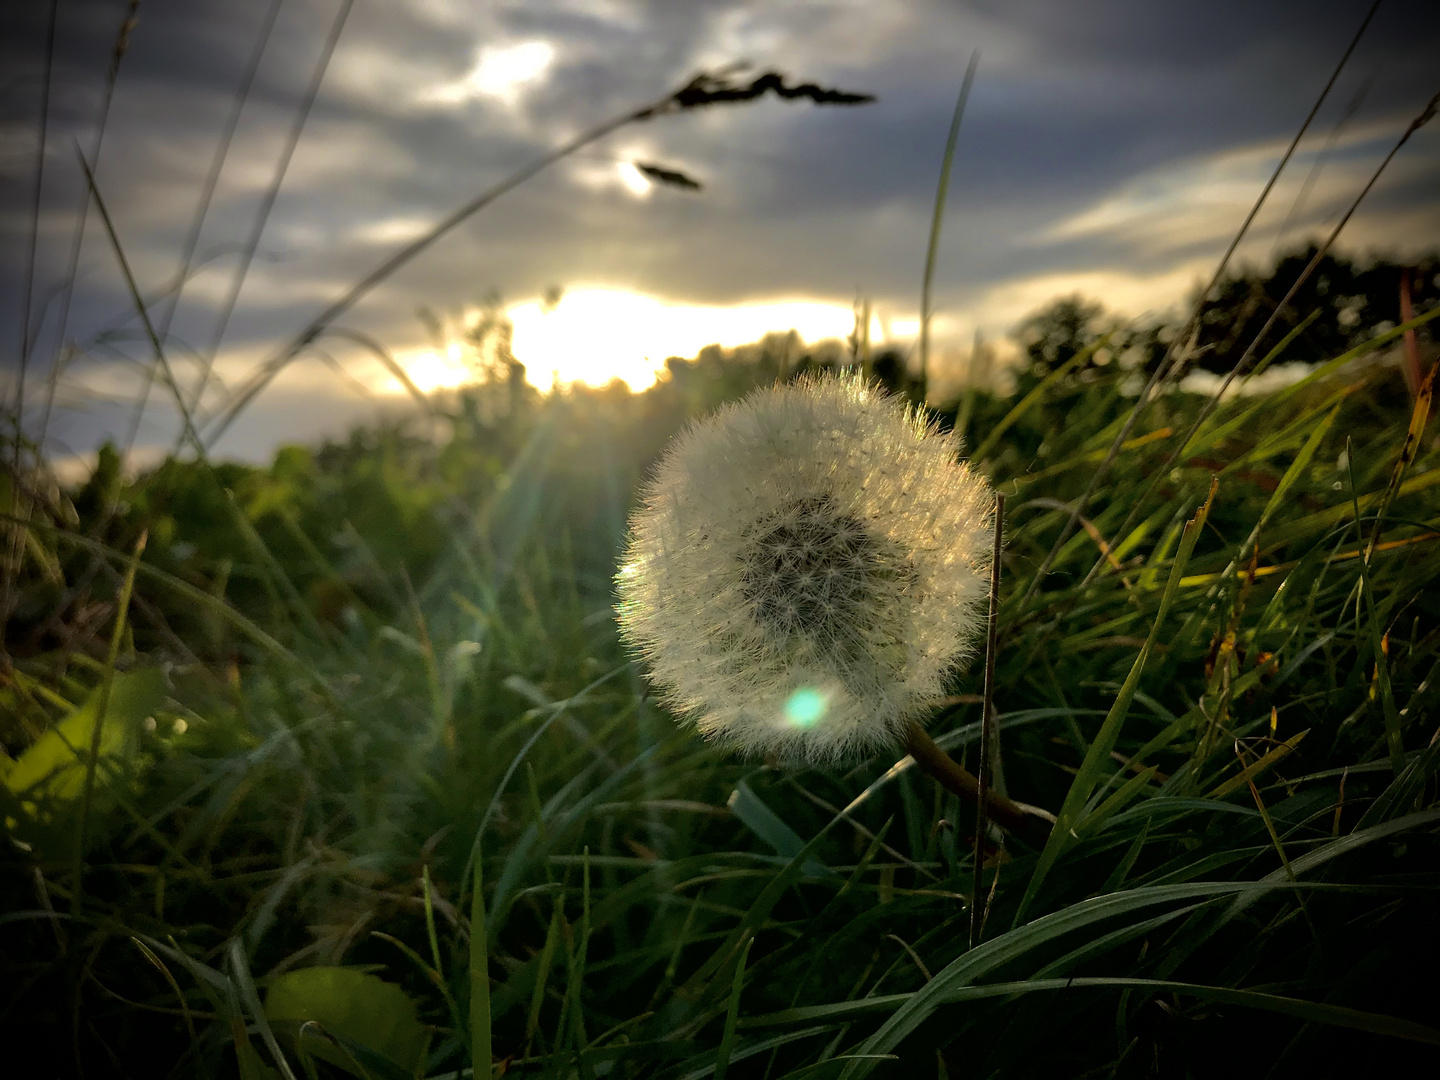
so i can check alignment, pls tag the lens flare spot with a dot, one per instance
(805, 707)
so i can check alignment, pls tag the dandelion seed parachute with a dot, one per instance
(806, 567)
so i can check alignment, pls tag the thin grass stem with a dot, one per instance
(218, 422)
(82, 210)
(480, 1044)
(28, 294)
(92, 760)
(272, 193)
(160, 360)
(212, 180)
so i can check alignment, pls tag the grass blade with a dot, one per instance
(1097, 759)
(727, 1039)
(245, 985)
(480, 1045)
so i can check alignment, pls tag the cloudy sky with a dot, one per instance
(1110, 147)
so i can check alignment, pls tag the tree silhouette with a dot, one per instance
(1355, 301)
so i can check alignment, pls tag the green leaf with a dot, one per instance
(251, 1067)
(349, 1005)
(1210, 432)
(727, 1038)
(1336, 848)
(1270, 403)
(769, 896)
(481, 1050)
(1404, 790)
(1117, 801)
(51, 773)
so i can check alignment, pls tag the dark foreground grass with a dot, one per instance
(376, 791)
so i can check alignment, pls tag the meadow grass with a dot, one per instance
(377, 790)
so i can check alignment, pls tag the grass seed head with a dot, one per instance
(805, 568)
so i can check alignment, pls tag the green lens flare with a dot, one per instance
(805, 707)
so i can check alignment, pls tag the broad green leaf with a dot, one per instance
(52, 772)
(351, 1004)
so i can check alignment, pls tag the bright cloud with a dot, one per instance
(1203, 199)
(432, 369)
(599, 175)
(392, 230)
(501, 72)
(1001, 306)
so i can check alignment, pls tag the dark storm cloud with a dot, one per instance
(1083, 116)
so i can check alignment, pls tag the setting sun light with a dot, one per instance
(633, 180)
(431, 370)
(595, 335)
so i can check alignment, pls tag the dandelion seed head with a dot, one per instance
(806, 567)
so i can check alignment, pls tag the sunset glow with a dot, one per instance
(501, 72)
(595, 335)
(431, 369)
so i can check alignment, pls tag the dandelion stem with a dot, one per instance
(1026, 822)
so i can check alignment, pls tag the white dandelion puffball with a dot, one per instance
(806, 567)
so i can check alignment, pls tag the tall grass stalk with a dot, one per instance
(937, 219)
(251, 243)
(211, 182)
